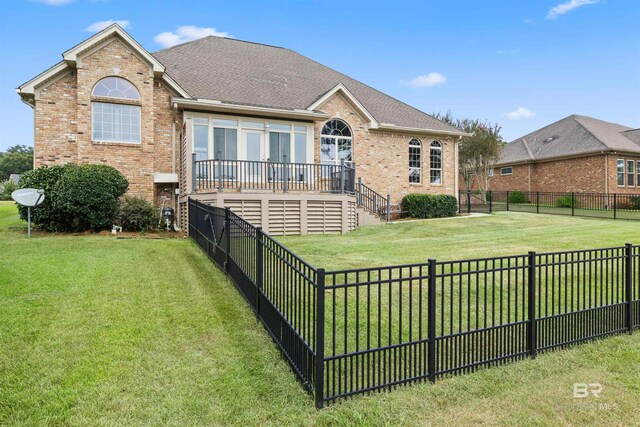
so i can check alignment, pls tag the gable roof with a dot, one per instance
(572, 136)
(73, 55)
(238, 72)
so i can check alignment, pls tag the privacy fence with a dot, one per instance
(598, 205)
(353, 331)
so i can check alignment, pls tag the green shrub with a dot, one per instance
(634, 202)
(77, 197)
(517, 197)
(566, 202)
(6, 188)
(429, 206)
(136, 214)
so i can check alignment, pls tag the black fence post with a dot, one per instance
(227, 229)
(531, 287)
(615, 206)
(573, 204)
(319, 347)
(507, 200)
(459, 201)
(537, 202)
(628, 281)
(490, 202)
(259, 268)
(431, 321)
(468, 202)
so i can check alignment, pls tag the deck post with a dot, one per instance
(431, 321)
(531, 305)
(319, 347)
(219, 171)
(342, 176)
(285, 174)
(628, 281)
(194, 179)
(359, 192)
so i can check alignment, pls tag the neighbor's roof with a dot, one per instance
(572, 136)
(245, 73)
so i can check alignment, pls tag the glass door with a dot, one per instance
(254, 153)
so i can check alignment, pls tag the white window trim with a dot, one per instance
(503, 173)
(115, 141)
(419, 146)
(337, 161)
(241, 152)
(438, 148)
(624, 172)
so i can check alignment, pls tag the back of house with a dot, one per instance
(288, 143)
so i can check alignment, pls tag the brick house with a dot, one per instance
(575, 154)
(279, 138)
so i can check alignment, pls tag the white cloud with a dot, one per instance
(519, 113)
(567, 7)
(508, 52)
(428, 80)
(55, 2)
(186, 33)
(101, 25)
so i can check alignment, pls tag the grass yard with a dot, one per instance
(105, 331)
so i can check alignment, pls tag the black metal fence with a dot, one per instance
(597, 205)
(360, 330)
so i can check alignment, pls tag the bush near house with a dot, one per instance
(136, 214)
(517, 197)
(566, 202)
(77, 197)
(429, 206)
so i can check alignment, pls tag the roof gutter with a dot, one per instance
(391, 127)
(219, 106)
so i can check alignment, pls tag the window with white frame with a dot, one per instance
(415, 161)
(631, 173)
(115, 121)
(620, 170)
(435, 162)
(508, 170)
(335, 143)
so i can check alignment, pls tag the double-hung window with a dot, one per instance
(415, 161)
(620, 170)
(435, 157)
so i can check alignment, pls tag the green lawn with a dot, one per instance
(105, 331)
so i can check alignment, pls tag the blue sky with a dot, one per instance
(522, 64)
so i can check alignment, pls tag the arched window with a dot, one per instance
(115, 122)
(116, 87)
(435, 157)
(335, 142)
(415, 161)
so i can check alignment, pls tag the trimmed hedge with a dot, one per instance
(77, 197)
(137, 214)
(429, 206)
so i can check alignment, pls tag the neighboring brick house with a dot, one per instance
(162, 118)
(575, 154)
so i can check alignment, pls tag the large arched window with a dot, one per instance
(335, 142)
(415, 161)
(435, 157)
(115, 121)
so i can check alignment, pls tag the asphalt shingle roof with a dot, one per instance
(239, 72)
(573, 135)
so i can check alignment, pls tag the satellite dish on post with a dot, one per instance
(28, 197)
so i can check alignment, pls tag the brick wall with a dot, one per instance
(382, 158)
(63, 118)
(613, 174)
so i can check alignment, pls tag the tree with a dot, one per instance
(479, 152)
(17, 159)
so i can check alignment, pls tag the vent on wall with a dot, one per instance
(249, 210)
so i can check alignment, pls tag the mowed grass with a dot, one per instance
(503, 233)
(103, 331)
